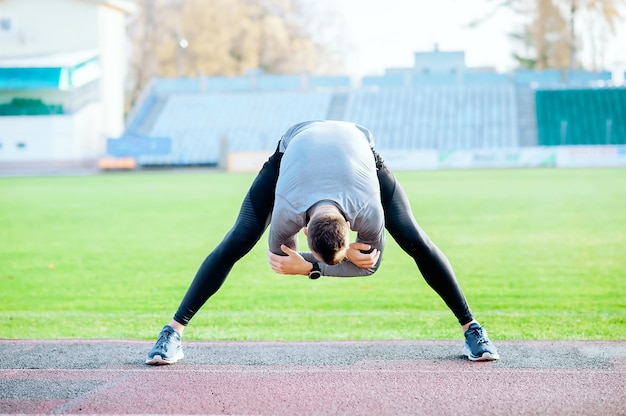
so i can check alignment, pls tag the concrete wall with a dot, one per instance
(522, 157)
(56, 138)
(49, 27)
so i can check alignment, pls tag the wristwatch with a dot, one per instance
(315, 272)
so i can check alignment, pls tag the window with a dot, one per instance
(6, 25)
(21, 145)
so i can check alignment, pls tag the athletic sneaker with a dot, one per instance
(168, 348)
(477, 345)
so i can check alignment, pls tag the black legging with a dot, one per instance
(430, 260)
(254, 217)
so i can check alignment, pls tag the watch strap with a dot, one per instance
(315, 272)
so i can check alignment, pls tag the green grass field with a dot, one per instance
(540, 254)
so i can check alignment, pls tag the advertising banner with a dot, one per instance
(521, 157)
(591, 156)
(497, 158)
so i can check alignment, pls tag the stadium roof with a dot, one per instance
(48, 60)
(62, 71)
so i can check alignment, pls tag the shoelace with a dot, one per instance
(480, 337)
(162, 341)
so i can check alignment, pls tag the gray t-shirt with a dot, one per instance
(330, 161)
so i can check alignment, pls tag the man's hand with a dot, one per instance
(292, 263)
(360, 259)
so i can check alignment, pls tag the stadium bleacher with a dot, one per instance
(198, 124)
(437, 117)
(550, 78)
(581, 116)
(205, 116)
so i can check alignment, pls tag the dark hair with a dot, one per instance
(327, 235)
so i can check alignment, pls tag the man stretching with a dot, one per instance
(324, 178)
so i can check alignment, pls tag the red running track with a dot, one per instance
(313, 378)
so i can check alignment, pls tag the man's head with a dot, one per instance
(328, 236)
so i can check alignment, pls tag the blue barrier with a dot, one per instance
(132, 145)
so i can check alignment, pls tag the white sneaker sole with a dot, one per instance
(158, 360)
(485, 357)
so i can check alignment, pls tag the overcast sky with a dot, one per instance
(385, 33)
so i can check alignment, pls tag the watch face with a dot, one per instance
(315, 274)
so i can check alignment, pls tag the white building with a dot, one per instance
(62, 76)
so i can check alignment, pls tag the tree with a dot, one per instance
(223, 37)
(552, 32)
(593, 13)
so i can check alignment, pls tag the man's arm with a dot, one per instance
(284, 226)
(346, 268)
(295, 263)
(371, 235)
(370, 241)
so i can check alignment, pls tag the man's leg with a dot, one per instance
(432, 263)
(430, 260)
(253, 219)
